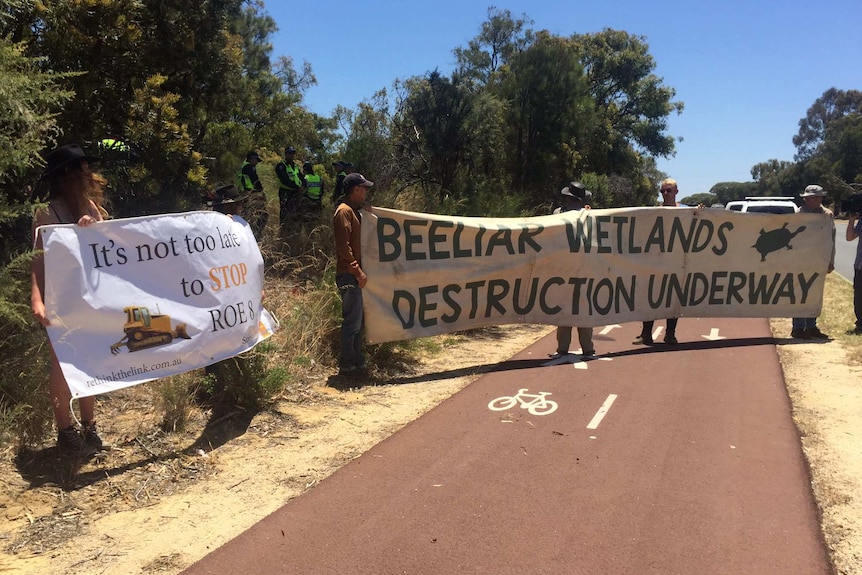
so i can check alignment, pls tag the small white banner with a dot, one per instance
(431, 274)
(132, 300)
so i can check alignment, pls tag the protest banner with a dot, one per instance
(132, 300)
(431, 274)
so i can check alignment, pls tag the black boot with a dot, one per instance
(91, 436)
(71, 443)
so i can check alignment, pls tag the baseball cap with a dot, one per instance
(356, 179)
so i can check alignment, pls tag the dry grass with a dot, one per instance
(838, 318)
(822, 380)
(147, 464)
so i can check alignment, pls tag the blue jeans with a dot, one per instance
(351, 327)
(857, 296)
(804, 322)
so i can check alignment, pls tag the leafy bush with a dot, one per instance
(25, 411)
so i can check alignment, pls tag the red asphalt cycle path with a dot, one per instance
(694, 468)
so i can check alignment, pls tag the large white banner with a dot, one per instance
(132, 300)
(431, 274)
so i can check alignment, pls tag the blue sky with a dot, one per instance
(747, 72)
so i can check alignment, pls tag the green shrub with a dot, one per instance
(25, 409)
(177, 395)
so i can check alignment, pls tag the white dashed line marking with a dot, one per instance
(603, 410)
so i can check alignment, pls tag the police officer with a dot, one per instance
(341, 173)
(290, 184)
(249, 184)
(118, 149)
(313, 191)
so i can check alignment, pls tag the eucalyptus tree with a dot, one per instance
(831, 107)
(549, 113)
(368, 140)
(842, 147)
(777, 178)
(500, 38)
(632, 102)
(725, 192)
(448, 138)
(434, 132)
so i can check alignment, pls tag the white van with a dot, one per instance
(764, 204)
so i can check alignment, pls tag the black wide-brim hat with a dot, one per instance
(65, 156)
(225, 194)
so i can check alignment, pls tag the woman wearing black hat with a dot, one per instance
(76, 195)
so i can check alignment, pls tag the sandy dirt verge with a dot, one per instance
(158, 502)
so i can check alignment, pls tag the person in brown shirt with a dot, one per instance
(349, 276)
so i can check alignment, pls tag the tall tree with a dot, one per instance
(842, 147)
(549, 113)
(729, 191)
(434, 131)
(499, 39)
(633, 103)
(833, 105)
(777, 178)
(368, 140)
(100, 42)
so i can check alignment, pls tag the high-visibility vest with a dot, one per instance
(315, 185)
(293, 173)
(243, 181)
(112, 145)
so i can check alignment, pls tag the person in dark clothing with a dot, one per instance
(574, 197)
(854, 231)
(248, 183)
(338, 191)
(669, 191)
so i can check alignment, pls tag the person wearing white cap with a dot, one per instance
(812, 203)
(574, 197)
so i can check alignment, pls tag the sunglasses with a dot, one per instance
(667, 190)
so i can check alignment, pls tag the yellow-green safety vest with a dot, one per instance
(112, 145)
(243, 181)
(315, 185)
(292, 172)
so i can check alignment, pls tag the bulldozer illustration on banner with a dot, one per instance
(144, 330)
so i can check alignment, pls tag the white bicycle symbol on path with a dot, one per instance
(535, 403)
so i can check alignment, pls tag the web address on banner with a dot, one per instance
(122, 374)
